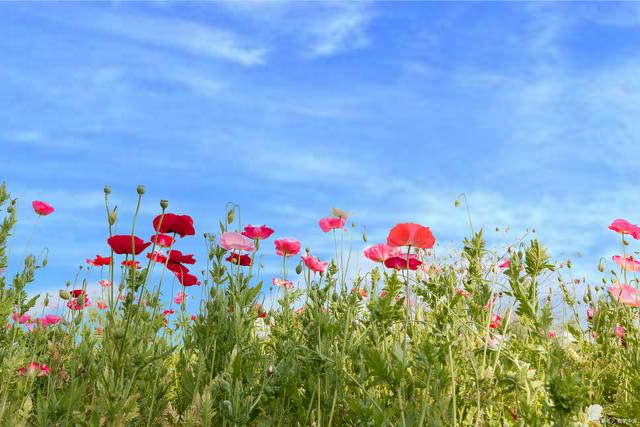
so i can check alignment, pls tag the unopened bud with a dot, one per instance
(231, 215)
(118, 334)
(140, 189)
(10, 209)
(299, 269)
(569, 263)
(601, 266)
(44, 262)
(164, 204)
(456, 203)
(64, 294)
(107, 189)
(113, 217)
(46, 300)
(80, 301)
(364, 237)
(270, 370)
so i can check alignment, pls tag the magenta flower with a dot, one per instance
(627, 262)
(623, 226)
(233, 241)
(330, 223)
(42, 208)
(34, 369)
(505, 264)
(314, 264)
(260, 232)
(287, 247)
(401, 262)
(381, 252)
(180, 296)
(50, 319)
(21, 318)
(625, 294)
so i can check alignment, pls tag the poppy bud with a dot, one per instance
(625, 242)
(353, 224)
(334, 296)
(118, 334)
(46, 300)
(44, 262)
(601, 266)
(307, 250)
(107, 189)
(65, 295)
(164, 204)
(231, 215)
(80, 300)
(299, 269)
(364, 237)
(113, 216)
(10, 208)
(569, 263)
(140, 189)
(457, 202)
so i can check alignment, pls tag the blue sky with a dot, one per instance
(388, 110)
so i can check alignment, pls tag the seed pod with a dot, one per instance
(569, 263)
(140, 189)
(107, 189)
(164, 204)
(64, 294)
(231, 215)
(334, 296)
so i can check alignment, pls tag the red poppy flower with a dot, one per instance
(287, 247)
(42, 208)
(243, 260)
(177, 268)
(157, 257)
(623, 226)
(257, 232)
(410, 234)
(399, 262)
(162, 240)
(101, 305)
(495, 321)
(99, 261)
(167, 312)
(187, 279)
(314, 264)
(260, 310)
(330, 223)
(177, 256)
(124, 243)
(130, 263)
(77, 292)
(182, 225)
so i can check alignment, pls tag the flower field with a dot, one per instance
(420, 339)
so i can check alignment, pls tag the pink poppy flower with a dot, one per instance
(281, 283)
(619, 331)
(50, 319)
(104, 283)
(22, 319)
(505, 264)
(180, 296)
(400, 262)
(301, 310)
(167, 312)
(410, 234)
(627, 262)
(121, 298)
(490, 303)
(327, 224)
(34, 369)
(42, 208)
(162, 240)
(287, 247)
(381, 252)
(622, 226)
(101, 305)
(231, 241)
(625, 294)
(591, 312)
(314, 264)
(552, 334)
(495, 321)
(259, 232)
(76, 305)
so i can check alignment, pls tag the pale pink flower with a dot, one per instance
(623, 226)
(282, 283)
(505, 264)
(620, 331)
(591, 312)
(625, 294)
(22, 319)
(627, 262)
(180, 296)
(231, 241)
(34, 369)
(381, 252)
(104, 283)
(462, 293)
(552, 334)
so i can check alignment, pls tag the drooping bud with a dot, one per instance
(107, 189)
(601, 266)
(64, 294)
(46, 300)
(457, 202)
(10, 209)
(44, 262)
(569, 263)
(299, 269)
(113, 216)
(164, 204)
(140, 189)
(231, 215)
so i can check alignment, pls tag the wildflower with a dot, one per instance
(410, 234)
(34, 369)
(131, 264)
(260, 311)
(182, 225)
(127, 244)
(622, 226)
(231, 240)
(505, 264)
(177, 256)
(301, 310)
(360, 291)
(619, 331)
(401, 262)
(243, 260)
(79, 303)
(314, 264)
(104, 283)
(167, 312)
(552, 334)
(21, 319)
(490, 303)
(495, 321)
(187, 279)
(156, 256)
(260, 232)
(287, 247)
(591, 312)
(162, 240)
(49, 319)
(627, 262)
(462, 293)
(42, 208)
(494, 342)
(327, 224)
(99, 330)
(625, 294)
(180, 296)
(193, 317)
(99, 261)
(177, 268)
(101, 305)
(282, 283)
(380, 252)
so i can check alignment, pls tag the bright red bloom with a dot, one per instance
(177, 256)
(243, 260)
(623, 226)
(177, 268)
(330, 223)
(182, 225)
(626, 294)
(314, 264)
(125, 244)
(162, 240)
(101, 305)
(287, 247)
(34, 369)
(381, 252)
(187, 279)
(42, 208)
(627, 262)
(77, 292)
(410, 234)
(232, 241)
(99, 261)
(157, 257)
(399, 262)
(360, 291)
(130, 263)
(495, 321)
(260, 310)
(260, 232)
(167, 312)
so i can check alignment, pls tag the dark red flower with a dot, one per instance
(177, 256)
(177, 268)
(99, 261)
(399, 262)
(77, 292)
(182, 225)
(126, 244)
(162, 240)
(187, 279)
(234, 258)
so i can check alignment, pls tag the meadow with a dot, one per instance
(422, 339)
